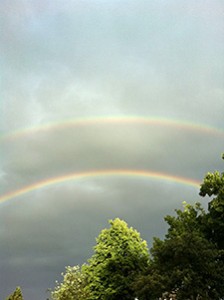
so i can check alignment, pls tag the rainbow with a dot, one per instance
(121, 120)
(98, 173)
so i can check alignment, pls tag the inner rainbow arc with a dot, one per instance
(99, 173)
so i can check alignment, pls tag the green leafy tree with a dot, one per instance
(16, 295)
(72, 287)
(185, 261)
(120, 255)
(213, 186)
(151, 284)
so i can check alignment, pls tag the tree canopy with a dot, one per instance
(213, 186)
(190, 260)
(72, 286)
(16, 295)
(120, 255)
(184, 262)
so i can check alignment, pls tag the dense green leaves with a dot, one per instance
(190, 260)
(16, 295)
(185, 261)
(213, 185)
(72, 287)
(120, 255)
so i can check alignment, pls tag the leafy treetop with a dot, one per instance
(120, 254)
(213, 185)
(16, 295)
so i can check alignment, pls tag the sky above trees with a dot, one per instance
(91, 86)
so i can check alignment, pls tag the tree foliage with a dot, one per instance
(185, 261)
(16, 295)
(213, 185)
(120, 255)
(190, 259)
(72, 286)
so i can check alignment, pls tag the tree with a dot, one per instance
(151, 284)
(72, 286)
(185, 262)
(16, 295)
(120, 255)
(213, 185)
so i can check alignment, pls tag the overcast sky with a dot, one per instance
(102, 85)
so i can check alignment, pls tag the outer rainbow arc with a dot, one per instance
(99, 173)
(115, 120)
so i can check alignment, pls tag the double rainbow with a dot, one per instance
(107, 120)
